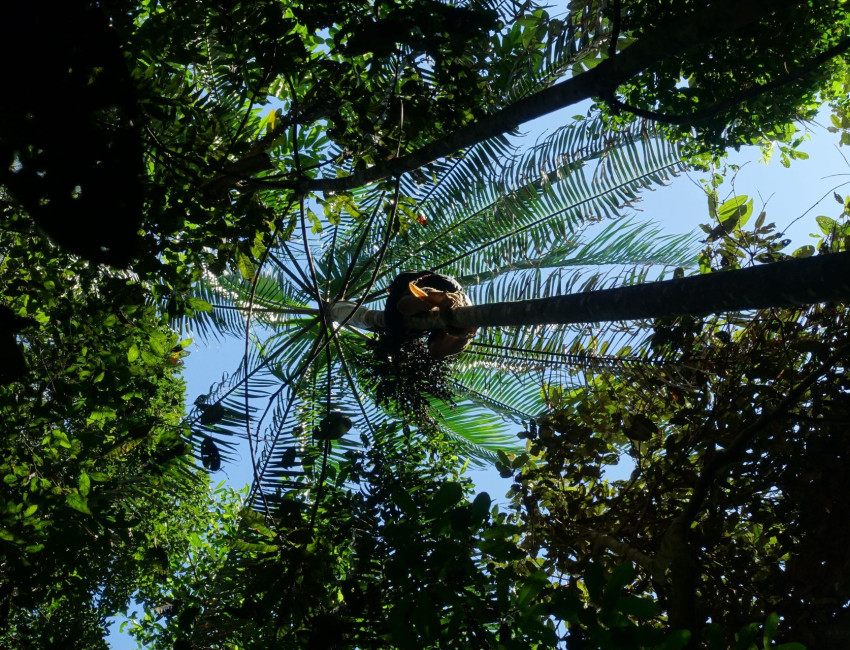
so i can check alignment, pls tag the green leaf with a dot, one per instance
(716, 636)
(404, 501)
(254, 547)
(133, 353)
(771, 626)
(519, 461)
(101, 416)
(804, 251)
(479, 508)
(30, 510)
(677, 640)
(159, 343)
(565, 605)
(827, 225)
(447, 495)
(640, 428)
(712, 203)
(84, 484)
(199, 305)
(245, 266)
(256, 521)
(78, 502)
(735, 212)
(594, 579)
(212, 414)
(620, 577)
(531, 587)
(744, 639)
(402, 633)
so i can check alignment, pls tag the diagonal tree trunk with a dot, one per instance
(710, 22)
(780, 284)
(825, 278)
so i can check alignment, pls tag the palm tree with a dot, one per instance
(520, 243)
(506, 232)
(506, 225)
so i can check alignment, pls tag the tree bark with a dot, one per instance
(824, 278)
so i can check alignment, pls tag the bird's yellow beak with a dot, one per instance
(416, 291)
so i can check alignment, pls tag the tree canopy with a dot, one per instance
(93, 447)
(736, 452)
(256, 169)
(238, 112)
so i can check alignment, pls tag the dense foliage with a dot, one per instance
(279, 159)
(93, 453)
(727, 92)
(733, 510)
(390, 553)
(728, 532)
(197, 128)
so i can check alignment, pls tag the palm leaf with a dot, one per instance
(515, 230)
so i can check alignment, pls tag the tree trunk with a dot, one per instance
(363, 318)
(713, 21)
(824, 278)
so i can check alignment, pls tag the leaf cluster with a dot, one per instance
(93, 453)
(747, 87)
(732, 511)
(397, 556)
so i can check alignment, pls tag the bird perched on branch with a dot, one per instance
(414, 293)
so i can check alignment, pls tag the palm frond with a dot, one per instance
(508, 223)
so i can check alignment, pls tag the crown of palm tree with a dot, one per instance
(507, 225)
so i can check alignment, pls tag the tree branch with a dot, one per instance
(615, 30)
(678, 36)
(624, 550)
(731, 102)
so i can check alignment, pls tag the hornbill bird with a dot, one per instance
(413, 293)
